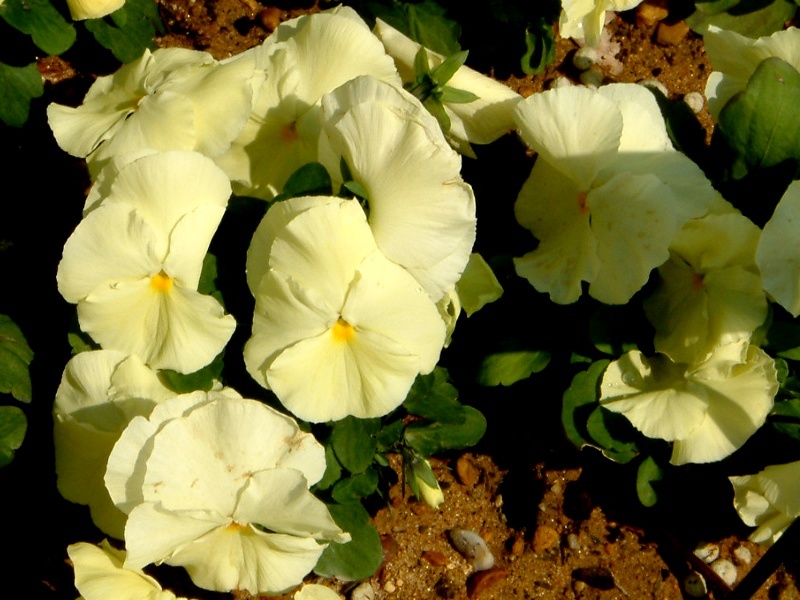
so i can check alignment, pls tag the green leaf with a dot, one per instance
(333, 470)
(311, 179)
(507, 368)
(39, 18)
(202, 379)
(207, 283)
(390, 435)
(13, 426)
(80, 342)
(424, 22)
(356, 189)
(128, 31)
(451, 95)
(448, 67)
(647, 474)
(785, 417)
(354, 442)
(540, 44)
(612, 433)
(432, 438)
(579, 401)
(361, 556)
(355, 487)
(760, 123)
(783, 339)
(436, 108)
(434, 398)
(612, 330)
(751, 18)
(18, 86)
(15, 357)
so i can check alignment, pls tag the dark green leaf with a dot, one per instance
(18, 86)
(783, 339)
(354, 441)
(452, 95)
(13, 426)
(436, 108)
(579, 402)
(612, 330)
(424, 22)
(40, 19)
(648, 473)
(311, 179)
(506, 368)
(333, 470)
(390, 434)
(128, 31)
(356, 189)
(208, 276)
(421, 64)
(433, 397)
(355, 487)
(432, 438)
(448, 67)
(612, 433)
(80, 342)
(750, 18)
(15, 357)
(785, 417)
(540, 44)
(202, 379)
(361, 556)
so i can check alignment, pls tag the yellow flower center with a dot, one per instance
(235, 527)
(161, 282)
(342, 330)
(289, 133)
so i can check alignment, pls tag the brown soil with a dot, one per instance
(555, 526)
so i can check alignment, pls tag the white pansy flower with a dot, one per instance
(778, 252)
(707, 410)
(735, 57)
(338, 328)
(710, 291)
(304, 58)
(607, 193)
(169, 99)
(100, 392)
(314, 591)
(133, 264)
(219, 485)
(421, 211)
(478, 122)
(91, 9)
(584, 19)
(100, 575)
(768, 500)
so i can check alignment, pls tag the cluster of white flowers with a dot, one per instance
(354, 297)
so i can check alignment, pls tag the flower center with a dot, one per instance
(582, 208)
(697, 281)
(289, 133)
(161, 282)
(235, 527)
(342, 330)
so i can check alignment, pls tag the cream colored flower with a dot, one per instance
(768, 500)
(169, 99)
(584, 19)
(607, 193)
(707, 410)
(778, 253)
(734, 58)
(219, 485)
(478, 122)
(304, 59)
(100, 575)
(133, 264)
(338, 329)
(420, 210)
(100, 392)
(92, 9)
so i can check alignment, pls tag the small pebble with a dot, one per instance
(707, 552)
(467, 472)
(472, 547)
(573, 542)
(364, 591)
(435, 558)
(695, 101)
(592, 78)
(726, 571)
(671, 34)
(695, 585)
(389, 587)
(560, 82)
(480, 582)
(545, 538)
(743, 555)
(655, 84)
(270, 18)
(585, 58)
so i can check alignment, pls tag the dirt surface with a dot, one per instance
(551, 515)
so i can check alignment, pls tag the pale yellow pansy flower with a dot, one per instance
(133, 264)
(303, 59)
(735, 57)
(100, 575)
(710, 291)
(100, 392)
(338, 329)
(584, 19)
(768, 500)
(219, 484)
(707, 410)
(481, 121)
(92, 9)
(607, 193)
(778, 252)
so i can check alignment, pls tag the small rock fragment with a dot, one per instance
(364, 591)
(270, 18)
(695, 101)
(671, 34)
(472, 547)
(656, 85)
(482, 581)
(707, 552)
(597, 577)
(649, 13)
(743, 555)
(467, 472)
(726, 571)
(434, 557)
(545, 538)
(585, 58)
(592, 78)
(695, 585)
